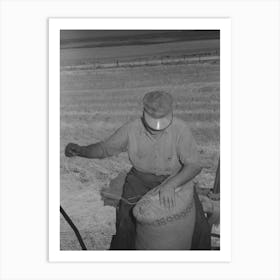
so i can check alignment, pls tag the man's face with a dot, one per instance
(151, 130)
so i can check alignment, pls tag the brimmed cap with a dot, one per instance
(157, 103)
(158, 109)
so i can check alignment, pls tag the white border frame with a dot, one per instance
(55, 25)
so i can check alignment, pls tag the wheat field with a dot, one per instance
(95, 102)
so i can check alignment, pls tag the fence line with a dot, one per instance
(164, 60)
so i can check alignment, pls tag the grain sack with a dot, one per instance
(158, 228)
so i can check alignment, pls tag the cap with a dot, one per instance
(158, 109)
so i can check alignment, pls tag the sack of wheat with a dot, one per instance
(159, 228)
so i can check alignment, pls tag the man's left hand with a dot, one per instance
(167, 196)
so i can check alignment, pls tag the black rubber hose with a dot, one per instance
(71, 224)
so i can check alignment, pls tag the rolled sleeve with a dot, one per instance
(187, 148)
(117, 142)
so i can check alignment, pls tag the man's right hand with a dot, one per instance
(72, 150)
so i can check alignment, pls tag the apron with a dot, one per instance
(136, 185)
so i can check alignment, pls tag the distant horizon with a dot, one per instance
(107, 38)
(93, 34)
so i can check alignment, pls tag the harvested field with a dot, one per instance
(94, 103)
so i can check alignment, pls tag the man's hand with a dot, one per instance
(167, 196)
(72, 150)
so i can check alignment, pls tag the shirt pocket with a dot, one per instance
(168, 154)
(169, 159)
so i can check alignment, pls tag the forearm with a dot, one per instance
(92, 151)
(187, 173)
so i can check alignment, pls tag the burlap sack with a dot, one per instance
(158, 228)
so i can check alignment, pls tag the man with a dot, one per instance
(163, 153)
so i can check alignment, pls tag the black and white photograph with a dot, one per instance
(139, 136)
(139, 139)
